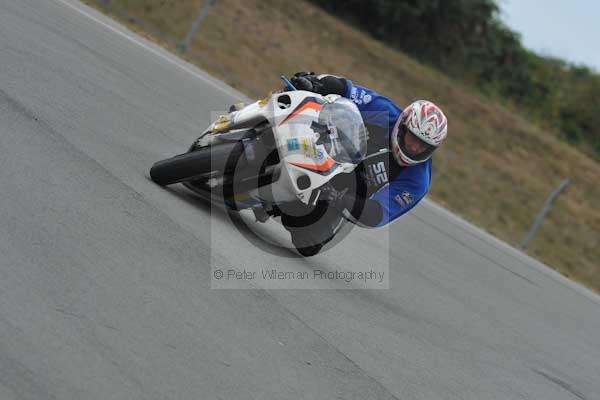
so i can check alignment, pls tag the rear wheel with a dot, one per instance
(311, 231)
(310, 250)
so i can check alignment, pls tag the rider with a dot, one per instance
(411, 135)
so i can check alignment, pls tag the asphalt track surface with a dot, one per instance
(105, 277)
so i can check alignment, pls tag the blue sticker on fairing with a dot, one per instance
(292, 144)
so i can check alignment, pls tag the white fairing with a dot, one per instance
(305, 165)
(297, 148)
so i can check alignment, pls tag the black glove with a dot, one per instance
(327, 84)
(335, 198)
(307, 81)
(365, 211)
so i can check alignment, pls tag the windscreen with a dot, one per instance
(345, 136)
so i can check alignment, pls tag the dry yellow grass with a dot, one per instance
(496, 168)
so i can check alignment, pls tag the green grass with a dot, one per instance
(496, 168)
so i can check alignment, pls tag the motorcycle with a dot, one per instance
(279, 157)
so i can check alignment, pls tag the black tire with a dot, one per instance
(195, 164)
(311, 232)
(310, 250)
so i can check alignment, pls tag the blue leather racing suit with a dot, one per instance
(406, 185)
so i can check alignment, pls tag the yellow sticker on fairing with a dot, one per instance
(308, 147)
(305, 143)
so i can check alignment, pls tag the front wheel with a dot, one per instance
(196, 164)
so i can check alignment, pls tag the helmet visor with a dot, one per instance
(412, 146)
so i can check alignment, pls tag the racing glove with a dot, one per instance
(322, 84)
(360, 211)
